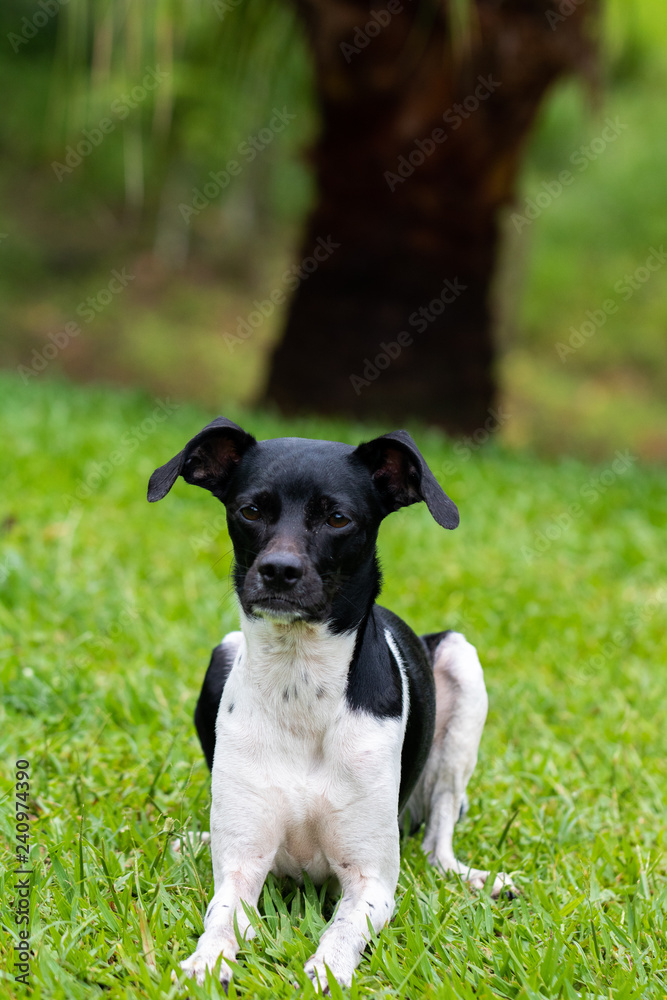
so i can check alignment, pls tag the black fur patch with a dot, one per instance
(375, 686)
(421, 685)
(206, 712)
(374, 680)
(433, 640)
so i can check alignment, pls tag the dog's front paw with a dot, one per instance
(202, 959)
(316, 969)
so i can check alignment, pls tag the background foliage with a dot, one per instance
(229, 63)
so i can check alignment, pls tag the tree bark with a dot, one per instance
(396, 322)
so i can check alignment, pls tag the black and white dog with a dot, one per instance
(325, 717)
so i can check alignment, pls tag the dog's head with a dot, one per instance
(304, 515)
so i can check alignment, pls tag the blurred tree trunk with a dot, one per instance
(411, 210)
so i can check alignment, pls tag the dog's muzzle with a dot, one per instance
(283, 584)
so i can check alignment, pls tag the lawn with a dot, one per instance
(110, 607)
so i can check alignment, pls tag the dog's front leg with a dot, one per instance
(237, 881)
(242, 852)
(342, 944)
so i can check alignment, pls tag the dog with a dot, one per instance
(325, 719)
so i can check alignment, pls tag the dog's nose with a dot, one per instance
(280, 570)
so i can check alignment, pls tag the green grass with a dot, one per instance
(111, 606)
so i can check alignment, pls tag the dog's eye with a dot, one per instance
(250, 512)
(338, 520)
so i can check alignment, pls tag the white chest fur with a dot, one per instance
(296, 773)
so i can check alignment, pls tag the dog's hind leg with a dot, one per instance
(439, 797)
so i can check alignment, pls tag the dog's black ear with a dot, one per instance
(402, 477)
(207, 460)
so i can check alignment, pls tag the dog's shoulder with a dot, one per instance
(415, 660)
(375, 681)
